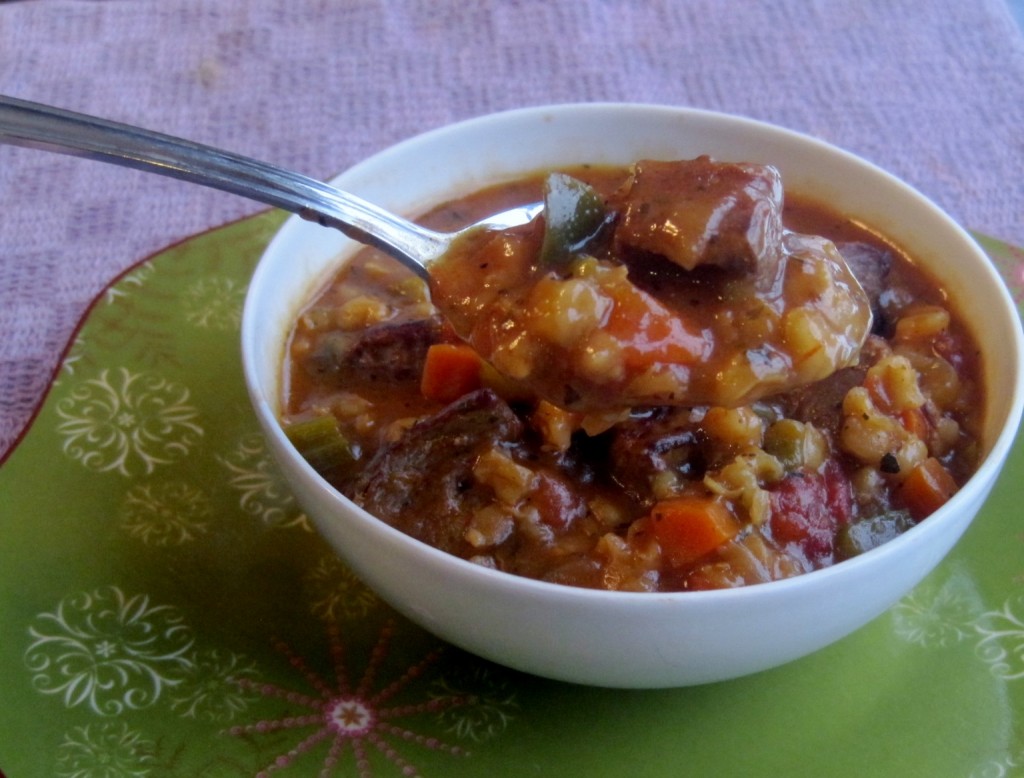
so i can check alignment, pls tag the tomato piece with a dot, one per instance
(808, 509)
(558, 503)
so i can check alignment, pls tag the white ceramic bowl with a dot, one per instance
(613, 638)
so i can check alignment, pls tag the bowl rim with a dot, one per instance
(982, 479)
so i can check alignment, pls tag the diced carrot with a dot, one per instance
(876, 389)
(927, 488)
(915, 422)
(450, 371)
(649, 332)
(689, 527)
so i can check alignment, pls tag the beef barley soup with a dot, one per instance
(676, 379)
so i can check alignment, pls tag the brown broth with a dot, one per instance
(583, 514)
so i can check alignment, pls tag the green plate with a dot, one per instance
(166, 609)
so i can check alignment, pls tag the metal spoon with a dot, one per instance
(33, 125)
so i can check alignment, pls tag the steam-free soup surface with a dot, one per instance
(822, 399)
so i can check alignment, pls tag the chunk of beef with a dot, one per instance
(662, 440)
(423, 483)
(821, 403)
(702, 212)
(870, 265)
(385, 352)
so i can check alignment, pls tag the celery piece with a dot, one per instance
(573, 213)
(321, 444)
(865, 534)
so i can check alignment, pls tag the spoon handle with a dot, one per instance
(32, 125)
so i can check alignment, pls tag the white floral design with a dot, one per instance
(165, 513)
(127, 422)
(336, 592)
(1000, 768)
(1002, 640)
(211, 688)
(263, 492)
(950, 612)
(491, 703)
(72, 358)
(938, 613)
(108, 750)
(108, 651)
(135, 278)
(215, 304)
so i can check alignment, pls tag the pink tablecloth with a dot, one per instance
(932, 91)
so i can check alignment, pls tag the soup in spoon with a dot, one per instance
(681, 287)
